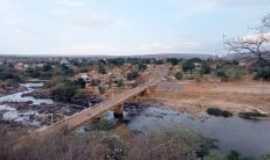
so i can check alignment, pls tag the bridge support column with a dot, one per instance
(147, 92)
(119, 112)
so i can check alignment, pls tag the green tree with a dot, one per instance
(188, 66)
(179, 75)
(173, 61)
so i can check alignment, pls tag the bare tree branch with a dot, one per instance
(256, 46)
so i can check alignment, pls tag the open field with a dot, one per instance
(195, 97)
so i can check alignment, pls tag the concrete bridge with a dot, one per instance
(115, 104)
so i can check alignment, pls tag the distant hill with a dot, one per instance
(176, 55)
(158, 56)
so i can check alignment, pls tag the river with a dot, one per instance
(248, 137)
(10, 113)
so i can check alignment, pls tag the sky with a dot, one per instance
(124, 27)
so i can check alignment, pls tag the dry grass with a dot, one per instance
(195, 97)
(103, 146)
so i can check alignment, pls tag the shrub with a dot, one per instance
(262, 73)
(9, 75)
(120, 83)
(251, 115)
(205, 68)
(179, 75)
(188, 66)
(132, 75)
(47, 68)
(66, 90)
(80, 82)
(103, 125)
(266, 157)
(117, 61)
(233, 155)
(101, 69)
(230, 73)
(141, 67)
(173, 61)
(222, 74)
(219, 112)
(66, 70)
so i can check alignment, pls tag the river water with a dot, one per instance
(250, 138)
(9, 113)
(17, 97)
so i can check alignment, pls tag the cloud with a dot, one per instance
(257, 37)
(240, 3)
(70, 3)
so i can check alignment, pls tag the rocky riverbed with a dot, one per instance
(11, 90)
(30, 108)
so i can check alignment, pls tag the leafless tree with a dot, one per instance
(256, 46)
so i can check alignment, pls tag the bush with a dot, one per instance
(251, 115)
(101, 69)
(230, 73)
(188, 66)
(80, 82)
(7, 74)
(132, 75)
(66, 70)
(205, 68)
(173, 61)
(179, 75)
(120, 83)
(117, 61)
(47, 68)
(233, 155)
(66, 90)
(218, 112)
(141, 67)
(262, 73)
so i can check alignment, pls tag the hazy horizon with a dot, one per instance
(123, 28)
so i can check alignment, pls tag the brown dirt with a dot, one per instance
(195, 97)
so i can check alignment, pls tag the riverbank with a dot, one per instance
(196, 97)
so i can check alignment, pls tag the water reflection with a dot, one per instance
(250, 138)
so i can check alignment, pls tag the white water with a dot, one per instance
(25, 117)
(17, 97)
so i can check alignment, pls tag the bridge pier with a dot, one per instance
(145, 93)
(118, 112)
